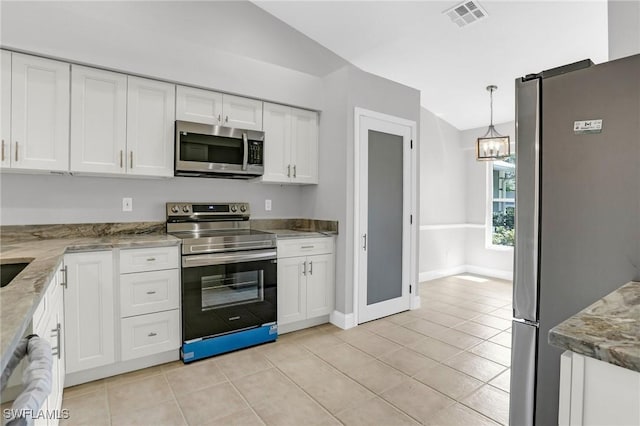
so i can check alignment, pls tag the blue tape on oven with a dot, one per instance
(206, 348)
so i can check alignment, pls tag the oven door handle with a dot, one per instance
(224, 258)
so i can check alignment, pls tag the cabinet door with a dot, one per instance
(89, 311)
(277, 147)
(150, 121)
(320, 285)
(292, 292)
(304, 146)
(198, 106)
(5, 120)
(39, 113)
(98, 120)
(241, 113)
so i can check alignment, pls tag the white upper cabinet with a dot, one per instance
(304, 146)
(37, 106)
(98, 120)
(5, 108)
(198, 106)
(291, 145)
(207, 107)
(150, 121)
(277, 153)
(242, 113)
(121, 124)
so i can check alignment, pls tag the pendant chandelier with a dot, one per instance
(492, 146)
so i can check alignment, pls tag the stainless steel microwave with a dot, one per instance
(214, 151)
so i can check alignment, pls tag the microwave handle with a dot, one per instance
(245, 156)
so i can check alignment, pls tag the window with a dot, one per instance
(503, 193)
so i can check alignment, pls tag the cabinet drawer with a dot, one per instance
(150, 334)
(147, 292)
(149, 259)
(305, 246)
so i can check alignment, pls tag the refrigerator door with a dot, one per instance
(525, 280)
(589, 202)
(523, 374)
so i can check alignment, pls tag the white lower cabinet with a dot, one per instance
(594, 392)
(89, 310)
(122, 311)
(48, 323)
(306, 281)
(149, 302)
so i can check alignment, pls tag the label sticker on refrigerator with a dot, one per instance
(587, 126)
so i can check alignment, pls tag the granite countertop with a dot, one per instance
(608, 330)
(19, 299)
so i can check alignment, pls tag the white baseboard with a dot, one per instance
(489, 272)
(344, 321)
(415, 302)
(461, 269)
(439, 273)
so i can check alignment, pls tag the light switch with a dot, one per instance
(267, 205)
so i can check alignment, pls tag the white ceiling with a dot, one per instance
(413, 43)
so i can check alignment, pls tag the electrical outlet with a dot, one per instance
(127, 204)
(267, 205)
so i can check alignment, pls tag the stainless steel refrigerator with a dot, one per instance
(577, 212)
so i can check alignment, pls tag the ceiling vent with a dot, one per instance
(466, 13)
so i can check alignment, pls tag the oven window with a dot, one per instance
(236, 288)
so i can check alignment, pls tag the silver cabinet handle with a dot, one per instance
(64, 271)
(152, 334)
(294, 170)
(151, 259)
(307, 247)
(311, 267)
(2, 149)
(131, 159)
(16, 150)
(364, 246)
(289, 170)
(151, 292)
(304, 268)
(226, 118)
(120, 158)
(219, 118)
(56, 348)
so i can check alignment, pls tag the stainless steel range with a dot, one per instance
(229, 278)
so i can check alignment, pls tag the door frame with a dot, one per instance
(359, 114)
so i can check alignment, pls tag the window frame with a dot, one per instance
(489, 200)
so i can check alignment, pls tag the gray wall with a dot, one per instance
(333, 198)
(442, 196)
(41, 199)
(624, 28)
(234, 47)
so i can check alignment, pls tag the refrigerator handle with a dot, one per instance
(527, 214)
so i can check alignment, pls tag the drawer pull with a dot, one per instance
(152, 334)
(151, 292)
(151, 259)
(307, 247)
(234, 318)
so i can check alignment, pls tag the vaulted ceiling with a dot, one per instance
(414, 43)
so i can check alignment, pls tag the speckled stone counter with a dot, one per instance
(608, 330)
(19, 299)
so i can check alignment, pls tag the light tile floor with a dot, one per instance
(446, 363)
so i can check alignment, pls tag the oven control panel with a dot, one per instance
(210, 210)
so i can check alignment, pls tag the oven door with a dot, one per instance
(227, 292)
